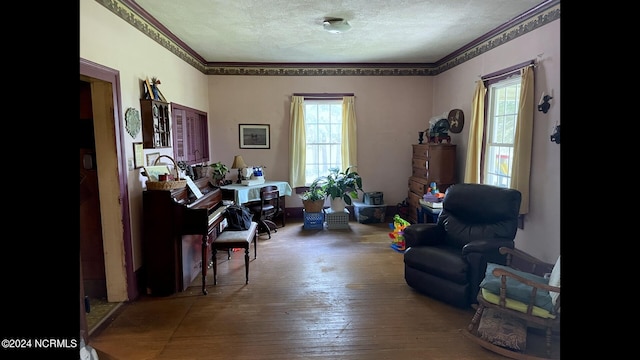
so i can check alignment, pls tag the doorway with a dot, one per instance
(107, 226)
(94, 279)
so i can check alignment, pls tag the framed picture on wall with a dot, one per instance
(151, 158)
(138, 155)
(255, 136)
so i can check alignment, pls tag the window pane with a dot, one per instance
(323, 125)
(502, 119)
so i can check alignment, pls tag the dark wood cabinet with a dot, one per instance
(429, 163)
(156, 128)
(190, 134)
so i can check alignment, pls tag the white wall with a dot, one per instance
(108, 40)
(390, 111)
(454, 89)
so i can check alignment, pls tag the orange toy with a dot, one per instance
(397, 237)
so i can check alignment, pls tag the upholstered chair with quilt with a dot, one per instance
(447, 260)
(515, 298)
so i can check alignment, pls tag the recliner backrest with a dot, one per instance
(479, 212)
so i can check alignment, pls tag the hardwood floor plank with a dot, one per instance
(325, 294)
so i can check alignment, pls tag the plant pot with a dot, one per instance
(201, 171)
(216, 180)
(313, 206)
(337, 205)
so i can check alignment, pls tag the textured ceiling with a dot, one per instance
(290, 31)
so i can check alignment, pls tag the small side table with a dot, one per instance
(428, 214)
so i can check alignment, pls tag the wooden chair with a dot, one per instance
(515, 301)
(267, 209)
(228, 240)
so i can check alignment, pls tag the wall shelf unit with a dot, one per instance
(156, 128)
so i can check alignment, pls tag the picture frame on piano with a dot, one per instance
(194, 188)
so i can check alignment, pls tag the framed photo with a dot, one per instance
(151, 158)
(138, 155)
(147, 89)
(154, 172)
(255, 136)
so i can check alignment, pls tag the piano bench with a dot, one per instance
(235, 239)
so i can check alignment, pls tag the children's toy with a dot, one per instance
(397, 237)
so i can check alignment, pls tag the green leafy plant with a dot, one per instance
(313, 194)
(220, 170)
(313, 199)
(338, 184)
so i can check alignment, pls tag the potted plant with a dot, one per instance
(313, 199)
(340, 187)
(220, 170)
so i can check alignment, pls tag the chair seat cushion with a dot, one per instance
(236, 238)
(516, 305)
(265, 208)
(515, 289)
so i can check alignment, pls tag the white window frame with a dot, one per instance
(323, 128)
(502, 118)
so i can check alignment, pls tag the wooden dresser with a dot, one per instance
(430, 163)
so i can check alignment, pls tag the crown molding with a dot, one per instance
(132, 13)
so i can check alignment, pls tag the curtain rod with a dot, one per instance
(508, 70)
(323, 95)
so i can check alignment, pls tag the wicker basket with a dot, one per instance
(167, 185)
(313, 206)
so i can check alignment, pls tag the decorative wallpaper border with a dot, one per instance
(138, 18)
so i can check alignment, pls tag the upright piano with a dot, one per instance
(178, 229)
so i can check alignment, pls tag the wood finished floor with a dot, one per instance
(312, 294)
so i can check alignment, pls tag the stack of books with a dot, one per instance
(431, 201)
(437, 204)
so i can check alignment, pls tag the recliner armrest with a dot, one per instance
(490, 249)
(486, 245)
(423, 234)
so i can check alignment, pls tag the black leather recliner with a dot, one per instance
(447, 260)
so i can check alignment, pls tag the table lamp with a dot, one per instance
(238, 163)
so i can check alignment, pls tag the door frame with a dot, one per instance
(114, 195)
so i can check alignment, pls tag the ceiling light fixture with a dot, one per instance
(336, 25)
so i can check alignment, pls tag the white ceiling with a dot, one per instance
(290, 31)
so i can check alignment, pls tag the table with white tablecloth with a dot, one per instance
(247, 193)
(242, 194)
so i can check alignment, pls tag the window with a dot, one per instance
(323, 128)
(502, 117)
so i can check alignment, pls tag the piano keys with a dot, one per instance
(178, 229)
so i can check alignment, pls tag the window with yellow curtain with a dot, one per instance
(322, 136)
(502, 119)
(501, 130)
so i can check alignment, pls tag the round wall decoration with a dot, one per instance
(132, 119)
(456, 120)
